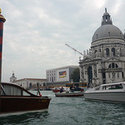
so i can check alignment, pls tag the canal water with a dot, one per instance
(71, 111)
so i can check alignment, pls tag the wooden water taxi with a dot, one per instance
(14, 98)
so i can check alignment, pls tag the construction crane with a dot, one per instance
(74, 49)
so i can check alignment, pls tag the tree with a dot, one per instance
(76, 75)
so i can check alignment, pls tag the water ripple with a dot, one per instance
(71, 111)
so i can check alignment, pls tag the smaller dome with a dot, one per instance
(107, 31)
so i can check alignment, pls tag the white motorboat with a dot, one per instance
(107, 92)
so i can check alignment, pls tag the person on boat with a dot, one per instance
(72, 89)
(38, 90)
(82, 90)
(67, 90)
(61, 90)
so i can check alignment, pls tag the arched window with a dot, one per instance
(107, 51)
(113, 65)
(95, 51)
(116, 65)
(110, 66)
(122, 75)
(113, 51)
(30, 85)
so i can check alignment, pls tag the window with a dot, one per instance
(119, 86)
(122, 75)
(107, 51)
(109, 33)
(116, 66)
(110, 66)
(113, 65)
(113, 51)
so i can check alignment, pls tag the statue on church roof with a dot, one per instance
(13, 78)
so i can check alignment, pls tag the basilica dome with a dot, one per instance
(107, 30)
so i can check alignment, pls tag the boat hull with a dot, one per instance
(69, 94)
(106, 96)
(10, 104)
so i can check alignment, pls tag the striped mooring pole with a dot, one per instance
(2, 20)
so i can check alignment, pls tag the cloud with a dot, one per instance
(36, 31)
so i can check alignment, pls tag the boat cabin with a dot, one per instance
(9, 89)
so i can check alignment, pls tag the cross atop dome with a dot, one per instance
(106, 18)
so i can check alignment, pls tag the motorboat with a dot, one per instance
(69, 94)
(68, 89)
(107, 92)
(16, 99)
(56, 90)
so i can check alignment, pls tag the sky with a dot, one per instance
(36, 31)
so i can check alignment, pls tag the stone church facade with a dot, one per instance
(105, 61)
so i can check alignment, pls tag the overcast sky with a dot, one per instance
(35, 32)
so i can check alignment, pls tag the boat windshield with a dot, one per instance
(110, 87)
(97, 88)
(14, 90)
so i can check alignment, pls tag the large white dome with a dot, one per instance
(107, 31)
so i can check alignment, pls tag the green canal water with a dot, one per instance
(71, 111)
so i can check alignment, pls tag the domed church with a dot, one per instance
(105, 61)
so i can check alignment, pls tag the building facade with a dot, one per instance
(29, 83)
(62, 74)
(105, 61)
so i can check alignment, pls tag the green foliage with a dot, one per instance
(76, 75)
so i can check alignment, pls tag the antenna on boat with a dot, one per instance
(2, 20)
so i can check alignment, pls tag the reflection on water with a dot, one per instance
(71, 111)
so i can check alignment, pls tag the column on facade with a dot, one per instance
(99, 73)
(122, 74)
(85, 73)
(81, 76)
(93, 76)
